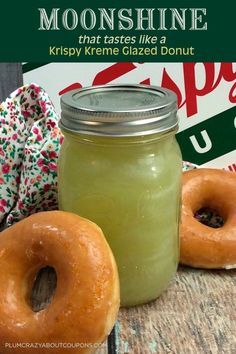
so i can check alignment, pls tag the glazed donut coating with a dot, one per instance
(86, 301)
(202, 246)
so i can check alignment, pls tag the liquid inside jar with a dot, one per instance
(130, 187)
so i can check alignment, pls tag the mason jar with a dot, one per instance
(120, 166)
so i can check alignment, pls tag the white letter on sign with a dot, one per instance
(48, 23)
(197, 147)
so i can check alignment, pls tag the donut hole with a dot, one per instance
(209, 217)
(44, 288)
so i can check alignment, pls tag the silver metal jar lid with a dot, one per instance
(119, 110)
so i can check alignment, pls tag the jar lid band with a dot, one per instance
(119, 110)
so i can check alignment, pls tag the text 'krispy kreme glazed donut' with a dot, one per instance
(84, 307)
(203, 246)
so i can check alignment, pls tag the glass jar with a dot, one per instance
(120, 166)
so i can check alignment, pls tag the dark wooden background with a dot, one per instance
(10, 78)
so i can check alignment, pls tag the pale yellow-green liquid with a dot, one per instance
(130, 187)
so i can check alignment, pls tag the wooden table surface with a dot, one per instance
(196, 315)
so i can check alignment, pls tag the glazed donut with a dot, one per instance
(202, 246)
(86, 300)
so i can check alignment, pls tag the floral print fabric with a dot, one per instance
(30, 141)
